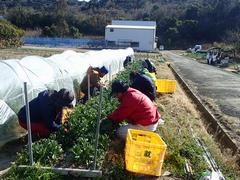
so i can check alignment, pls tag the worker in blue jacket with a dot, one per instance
(144, 84)
(45, 111)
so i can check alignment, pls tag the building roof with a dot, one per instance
(133, 23)
(130, 27)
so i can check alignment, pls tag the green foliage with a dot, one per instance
(31, 174)
(179, 23)
(9, 31)
(45, 152)
(233, 37)
(198, 56)
(124, 75)
(191, 151)
(83, 151)
(82, 122)
(75, 32)
(181, 148)
(9, 35)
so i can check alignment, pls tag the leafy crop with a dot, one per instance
(82, 122)
(83, 151)
(124, 75)
(32, 174)
(45, 152)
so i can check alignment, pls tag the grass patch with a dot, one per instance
(201, 57)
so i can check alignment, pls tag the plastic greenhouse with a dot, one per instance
(54, 72)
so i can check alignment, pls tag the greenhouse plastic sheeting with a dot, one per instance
(54, 72)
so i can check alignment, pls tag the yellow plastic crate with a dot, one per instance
(165, 85)
(144, 152)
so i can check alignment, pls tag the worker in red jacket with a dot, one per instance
(135, 107)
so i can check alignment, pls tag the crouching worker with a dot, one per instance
(149, 65)
(135, 107)
(95, 77)
(127, 61)
(46, 111)
(144, 84)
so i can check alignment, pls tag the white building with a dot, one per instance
(140, 35)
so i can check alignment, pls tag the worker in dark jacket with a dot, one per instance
(135, 107)
(127, 61)
(45, 111)
(95, 76)
(149, 65)
(144, 84)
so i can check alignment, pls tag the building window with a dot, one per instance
(123, 43)
(111, 29)
(134, 44)
(111, 43)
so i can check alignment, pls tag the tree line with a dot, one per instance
(180, 23)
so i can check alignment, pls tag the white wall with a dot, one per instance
(145, 37)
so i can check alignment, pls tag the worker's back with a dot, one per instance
(41, 108)
(94, 79)
(152, 76)
(144, 84)
(136, 108)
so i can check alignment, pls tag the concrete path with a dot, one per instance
(218, 89)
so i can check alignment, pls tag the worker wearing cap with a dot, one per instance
(149, 65)
(135, 107)
(95, 76)
(127, 61)
(144, 84)
(45, 110)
